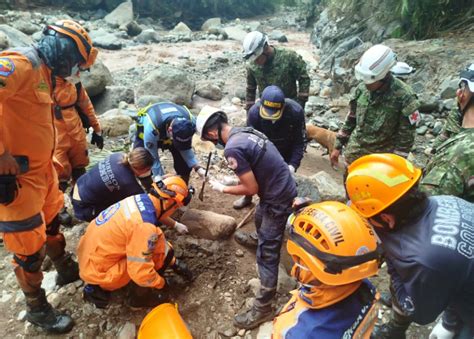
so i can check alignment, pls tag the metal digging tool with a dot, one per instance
(201, 194)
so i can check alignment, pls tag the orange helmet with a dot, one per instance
(173, 188)
(331, 243)
(82, 39)
(376, 181)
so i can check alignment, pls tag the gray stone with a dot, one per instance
(438, 126)
(146, 100)
(328, 188)
(208, 225)
(121, 15)
(168, 82)
(447, 89)
(115, 122)
(209, 90)
(285, 282)
(4, 42)
(307, 188)
(255, 26)
(49, 281)
(239, 253)
(21, 316)
(54, 299)
(111, 98)
(6, 297)
(235, 33)
(106, 40)
(148, 35)
(265, 330)
(278, 36)
(16, 37)
(133, 29)
(26, 27)
(422, 130)
(212, 22)
(97, 79)
(254, 285)
(181, 29)
(448, 104)
(128, 331)
(428, 103)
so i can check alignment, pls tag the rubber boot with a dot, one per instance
(67, 268)
(65, 218)
(96, 295)
(145, 296)
(247, 239)
(40, 313)
(182, 269)
(253, 317)
(394, 329)
(242, 202)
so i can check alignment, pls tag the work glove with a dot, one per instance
(217, 186)
(229, 180)
(97, 140)
(201, 172)
(181, 228)
(440, 332)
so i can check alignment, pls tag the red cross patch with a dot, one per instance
(414, 118)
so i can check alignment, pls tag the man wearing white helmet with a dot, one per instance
(383, 112)
(269, 65)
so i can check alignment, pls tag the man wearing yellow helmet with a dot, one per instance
(29, 194)
(124, 245)
(428, 243)
(333, 250)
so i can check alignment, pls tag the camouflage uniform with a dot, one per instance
(451, 127)
(379, 122)
(284, 69)
(451, 170)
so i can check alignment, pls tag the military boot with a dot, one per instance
(139, 296)
(247, 239)
(394, 329)
(182, 269)
(96, 295)
(242, 202)
(40, 313)
(67, 268)
(253, 317)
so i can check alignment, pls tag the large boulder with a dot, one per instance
(208, 225)
(235, 33)
(115, 122)
(209, 90)
(170, 83)
(106, 40)
(16, 37)
(328, 188)
(111, 98)
(133, 28)
(447, 89)
(181, 30)
(121, 15)
(26, 27)
(97, 79)
(307, 188)
(4, 41)
(212, 22)
(148, 35)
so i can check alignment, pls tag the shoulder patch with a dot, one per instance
(232, 163)
(106, 214)
(7, 67)
(414, 118)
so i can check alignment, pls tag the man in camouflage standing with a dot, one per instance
(269, 65)
(383, 112)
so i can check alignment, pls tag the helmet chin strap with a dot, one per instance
(219, 135)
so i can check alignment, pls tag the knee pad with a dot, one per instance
(77, 172)
(31, 263)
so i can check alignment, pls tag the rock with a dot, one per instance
(128, 331)
(428, 103)
(325, 92)
(285, 282)
(316, 103)
(54, 299)
(6, 297)
(49, 281)
(10, 280)
(236, 101)
(148, 35)
(181, 29)
(4, 42)
(112, 96)
(170, 83)
(208, 225)
(447, 89)
(254, 285)
(133, 29)
(235, 33)
(278, 36)
(328, 188)
(21, 315)
(265, 330)
(239, 253)
(146, 100)
(438, 126)
(97, 79)
(26, 27)
(115, 122)
(106, 40)
(71, 289)
(255, 26)
(121, 15)
(212, 22)
(16, 38)
(422, 130)
(209, 90)
(228, 333)
(448, 104)
(307, 188)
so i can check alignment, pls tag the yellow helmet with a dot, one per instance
(330, 242)
(376, 181)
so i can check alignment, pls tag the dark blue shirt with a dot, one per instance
(108, 182)
(287, 133)
(431, 260)
(246, 152)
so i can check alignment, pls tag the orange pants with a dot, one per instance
(37, 204)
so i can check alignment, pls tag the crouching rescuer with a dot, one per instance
(124, 246)
(334, 250)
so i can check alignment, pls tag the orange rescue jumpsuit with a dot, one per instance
(123, 244)
(27, 128)
(71, 150)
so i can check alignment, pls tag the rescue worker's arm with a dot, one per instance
(253, 117)
(145, 241)
(445, 180)
(349, 125)
(84, 102)
(251, 91)
(304, 82)
(151, 145)
(248, 185)
(451, 127)
(405, 135)
(189, 157)
(298, 142)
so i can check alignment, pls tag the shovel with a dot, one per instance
(201, 194)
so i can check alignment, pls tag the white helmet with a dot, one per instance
(205, 114)
(468, 76)
(375, 63)
(254, 44)
(401, 69)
